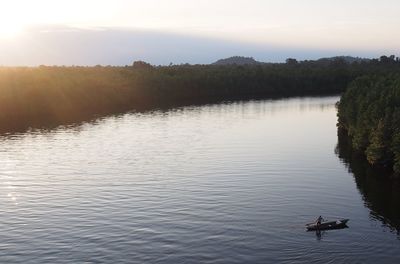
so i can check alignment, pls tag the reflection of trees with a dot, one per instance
(380, 193)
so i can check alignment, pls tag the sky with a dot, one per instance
(195, 31)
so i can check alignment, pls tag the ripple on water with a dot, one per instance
(228, 183)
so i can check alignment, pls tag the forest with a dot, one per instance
(46, 96)
(379, 190)
(369, 114)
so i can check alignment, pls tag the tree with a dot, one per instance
(376, 150)
(291, 61)
(141, 65)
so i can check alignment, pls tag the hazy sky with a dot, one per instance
(354, 27)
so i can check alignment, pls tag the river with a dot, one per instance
(223, 183)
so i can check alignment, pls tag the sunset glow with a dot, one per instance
(340, 27)
(10, 25)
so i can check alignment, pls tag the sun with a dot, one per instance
(11, 23)
(8, 31)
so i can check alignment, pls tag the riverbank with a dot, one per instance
(34, 97)
(369, 113)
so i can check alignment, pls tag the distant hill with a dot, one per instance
(237, 60)
(347, 59)
(240, 60)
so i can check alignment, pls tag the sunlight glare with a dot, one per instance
(9, 30)
(11, 23)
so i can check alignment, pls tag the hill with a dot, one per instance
(347, 59)
(237, 60)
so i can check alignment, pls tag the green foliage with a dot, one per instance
(376, 150)
(370, 113)
(395, 148)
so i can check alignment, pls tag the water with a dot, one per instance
(226, 183)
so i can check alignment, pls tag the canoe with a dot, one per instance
(337, 224)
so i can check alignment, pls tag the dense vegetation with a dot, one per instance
(47, 96)
(369, 112)
(380, 192)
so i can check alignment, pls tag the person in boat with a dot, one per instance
(319, 220)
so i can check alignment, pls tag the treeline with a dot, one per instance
(48, 96)
(369, 113)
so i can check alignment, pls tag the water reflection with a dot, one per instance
(380, 193)
(229, 183)
(319, 234)
(245, 109)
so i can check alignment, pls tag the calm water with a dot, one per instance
(227, 183)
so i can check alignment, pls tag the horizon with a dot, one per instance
(209, 63)
(159, 32)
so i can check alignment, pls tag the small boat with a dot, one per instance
(325, 225)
